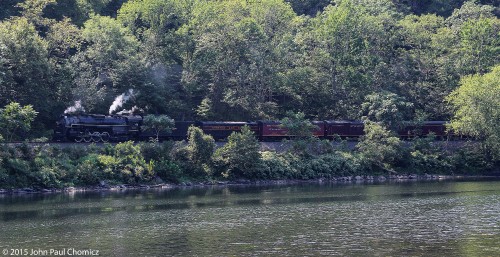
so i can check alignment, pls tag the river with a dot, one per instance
(452, 218)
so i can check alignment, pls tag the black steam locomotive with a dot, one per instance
(102, 128)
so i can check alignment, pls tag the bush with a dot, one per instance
(332, 165)
(378, 148)
(88, 170)
(470, 159)
(240, 156)
(157, 151)
(128, 163)
(278, 166)
(425, 157)
(196, 156)
(169, 171)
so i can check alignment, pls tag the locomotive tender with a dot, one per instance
(103, 128)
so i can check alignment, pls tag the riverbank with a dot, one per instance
(243, 182)
(48, 168)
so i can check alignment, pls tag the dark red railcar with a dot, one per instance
(273, 130)
(320, 130)
(222, 129)
(344, 129)
(437, 128)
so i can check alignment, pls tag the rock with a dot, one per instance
(70, 189)
(103, 183)
(358, 178)
(412, 176)
(381, 178)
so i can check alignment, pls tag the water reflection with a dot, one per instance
(459, 218)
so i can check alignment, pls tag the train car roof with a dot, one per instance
(344, 122)
(436, 122)
(223, 123)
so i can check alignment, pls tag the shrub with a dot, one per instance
(168, 171)
(379, 148)
(240, 156)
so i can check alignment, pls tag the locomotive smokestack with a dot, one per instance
(120, 100)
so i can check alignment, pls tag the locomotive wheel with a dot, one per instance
(96, 137)
(105, 137)
(87, 138)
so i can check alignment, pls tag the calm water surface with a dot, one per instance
(396, 219)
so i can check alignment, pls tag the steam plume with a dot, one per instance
(120, 100)
(76, 108)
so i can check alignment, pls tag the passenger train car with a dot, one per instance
(103, 128)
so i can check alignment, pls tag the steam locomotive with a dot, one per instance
(102, 128)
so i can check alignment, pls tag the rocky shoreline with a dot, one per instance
(340, 180)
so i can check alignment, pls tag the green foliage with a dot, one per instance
(158, 123)
(387, 108)
(378, 147)
(423, 155)
(477, 109)
(302, 142)
(14, 117)
(235, 62)
(279, 166)
(26, 73)
(126, 162)
(240, 156)
(199, 150)
(471, 159)
(334, 165)
(298, 126)
(108, 66)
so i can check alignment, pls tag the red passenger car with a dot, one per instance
(344, 129)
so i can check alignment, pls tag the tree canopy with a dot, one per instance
(245, 60)
(477, 108)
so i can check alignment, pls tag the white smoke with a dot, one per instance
(76, 108)
(132, 111)
(120, 100)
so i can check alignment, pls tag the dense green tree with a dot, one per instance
(479, 45)
(158, 124)
(108, 66)
(15, 118)
(386, 108)
(156, 24)
(477, 109)
(27, 75)
(240, 156)
(379, 147)
(342, 55)
(200, 148)
(235, 64)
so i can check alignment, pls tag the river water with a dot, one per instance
(390, 219)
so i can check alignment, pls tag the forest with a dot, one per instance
(244, 59)
(381, 61)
